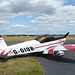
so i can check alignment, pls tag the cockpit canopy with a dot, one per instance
(45, 38)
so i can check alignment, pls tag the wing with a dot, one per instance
(59, 50)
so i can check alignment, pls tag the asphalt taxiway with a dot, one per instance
(57, 66)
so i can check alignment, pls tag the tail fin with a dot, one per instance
(2, 43)
(66, 34)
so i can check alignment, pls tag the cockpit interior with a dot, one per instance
(45, 38)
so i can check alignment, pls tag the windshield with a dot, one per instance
(44, 38)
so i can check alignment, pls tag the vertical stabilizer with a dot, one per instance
(2, 43)
(66, 34)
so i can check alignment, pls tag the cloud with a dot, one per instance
(52, 16)
(48, 20)
(3, 23)
(63, 19)
(72, 23)
(13, 8)
(20, 29)
(17, 25)
(69, 9)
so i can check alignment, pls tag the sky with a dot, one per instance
(36, 17)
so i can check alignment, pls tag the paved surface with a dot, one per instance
(57, 66)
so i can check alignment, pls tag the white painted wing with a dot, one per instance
(59, 48)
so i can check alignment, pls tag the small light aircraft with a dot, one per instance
(45, 44)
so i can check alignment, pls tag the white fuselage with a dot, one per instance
(31, 47)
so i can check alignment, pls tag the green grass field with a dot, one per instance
(20, 66)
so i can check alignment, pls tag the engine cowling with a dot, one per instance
(58, 53)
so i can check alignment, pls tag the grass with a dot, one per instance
(18, 38)
(71, 37)
(20, 66)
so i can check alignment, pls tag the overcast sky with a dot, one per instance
(37, 17)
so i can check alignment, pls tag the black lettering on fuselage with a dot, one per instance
(24, 50)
